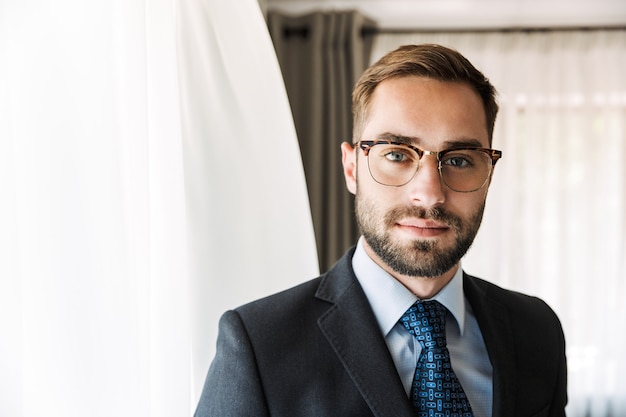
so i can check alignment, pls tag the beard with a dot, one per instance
(417, 258)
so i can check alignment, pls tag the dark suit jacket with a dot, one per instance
(316, 350)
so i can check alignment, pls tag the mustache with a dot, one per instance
(435, 213)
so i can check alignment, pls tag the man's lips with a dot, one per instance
(422, 227)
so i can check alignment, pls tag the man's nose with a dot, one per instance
(426, 188)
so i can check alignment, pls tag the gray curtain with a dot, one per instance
(321, 55)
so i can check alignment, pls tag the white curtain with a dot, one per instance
(555, 224)
(150, 178)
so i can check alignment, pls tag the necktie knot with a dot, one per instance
(426, 321)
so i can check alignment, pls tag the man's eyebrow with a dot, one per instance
(407, 140)
(463, 143)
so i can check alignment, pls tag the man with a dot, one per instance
(420, 166)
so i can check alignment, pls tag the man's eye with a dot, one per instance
(397, 156)
(459, 160)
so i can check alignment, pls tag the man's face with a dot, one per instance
(422, 228)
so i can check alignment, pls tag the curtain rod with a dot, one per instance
(302, 31)
(385, 31)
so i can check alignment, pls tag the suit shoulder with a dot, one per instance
(271, 313)
(514, 301)
(287, 296)
(312, 295)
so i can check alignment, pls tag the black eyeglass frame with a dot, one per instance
(493, 154)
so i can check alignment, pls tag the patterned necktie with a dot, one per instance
(436, 390)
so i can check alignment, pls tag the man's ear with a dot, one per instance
(348, 159)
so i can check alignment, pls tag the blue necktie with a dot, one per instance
(436, 390)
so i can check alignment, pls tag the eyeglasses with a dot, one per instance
(464, 170)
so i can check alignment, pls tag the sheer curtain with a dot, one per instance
(150, 178)
(555, 224)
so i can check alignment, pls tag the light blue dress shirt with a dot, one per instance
(390, 299)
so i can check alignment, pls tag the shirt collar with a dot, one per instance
(390, 299)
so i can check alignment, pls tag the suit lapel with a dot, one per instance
(352, 331)
(497, 333)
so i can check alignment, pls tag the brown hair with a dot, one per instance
(427, 60)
